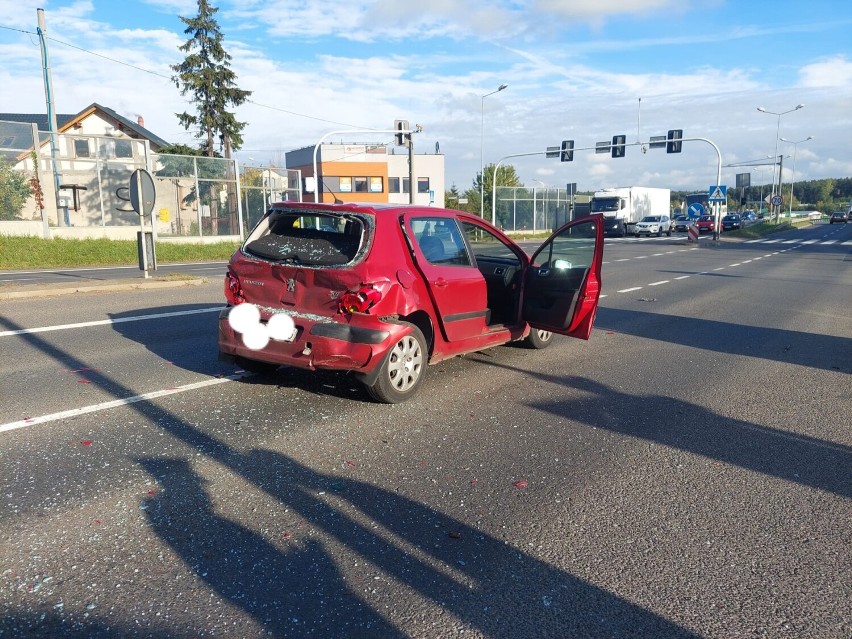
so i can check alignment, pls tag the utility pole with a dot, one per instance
(51, 116)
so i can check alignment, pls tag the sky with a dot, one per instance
(582, 70)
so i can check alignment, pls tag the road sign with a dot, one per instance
(142, 192)
(777, 200)
(718, 193)
(696, 209)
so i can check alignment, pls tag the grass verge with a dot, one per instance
(17, 253)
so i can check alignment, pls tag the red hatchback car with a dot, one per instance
(383, 290)
(706, 224)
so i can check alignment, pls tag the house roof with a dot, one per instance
(65, 121)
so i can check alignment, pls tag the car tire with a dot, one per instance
(402, 370)
(253, 366)
(539, 339)
(636, 234)
(660, 232)
(669, 232)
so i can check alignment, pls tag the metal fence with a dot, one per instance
(531, 210)
(79, 185)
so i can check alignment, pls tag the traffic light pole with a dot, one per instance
(622, 146)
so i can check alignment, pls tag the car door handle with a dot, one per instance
(441, 282)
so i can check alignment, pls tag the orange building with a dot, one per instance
(369, 173)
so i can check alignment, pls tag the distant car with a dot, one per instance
(838, 216)
(749, 216)
(705, 224)
(681, 223)
(731, 222)
(653, 225)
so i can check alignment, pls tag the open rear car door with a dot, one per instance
(562, 285)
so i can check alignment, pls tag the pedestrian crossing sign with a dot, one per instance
(718, 193)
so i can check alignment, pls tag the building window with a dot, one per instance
(360, 184)
(393, 185)
(376, 185)
(81, 148)
(423, 185)
(406, 185)
(346, 185)
(123, 149)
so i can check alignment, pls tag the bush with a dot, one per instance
(14, 191)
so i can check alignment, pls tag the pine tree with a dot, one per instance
(206, 76)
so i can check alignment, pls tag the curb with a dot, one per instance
(53, 290)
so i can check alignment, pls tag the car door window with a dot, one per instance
(573, 249)
(440, 241)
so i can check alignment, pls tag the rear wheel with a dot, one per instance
(402, 371)
(539, 339)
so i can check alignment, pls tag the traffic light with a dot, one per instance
(402, 139)
(674, 141)
(567, 151)
(618, 148)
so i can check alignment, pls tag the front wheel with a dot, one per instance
(669, 232)
(539, 339)
(402, 370)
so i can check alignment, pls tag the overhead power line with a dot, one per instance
(169, 78)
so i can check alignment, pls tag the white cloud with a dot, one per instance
(834, 72)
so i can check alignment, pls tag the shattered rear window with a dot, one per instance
(314, 239)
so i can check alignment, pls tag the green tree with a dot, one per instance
(205, 74)
(14, 191)
(506, 176)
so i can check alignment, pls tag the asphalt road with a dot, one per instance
(687, 472)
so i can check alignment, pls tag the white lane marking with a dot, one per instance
(810, 241)
(773, 241)
(737, 264)
(658, 283)
(117, 320)
(628, 290)
(721, 268)
(682, 277)
(116, 403)
(829, 242)
(623, 259)
(641, 257)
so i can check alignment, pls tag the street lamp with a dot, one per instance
(481, 148)
(777, 133)
(793, 179)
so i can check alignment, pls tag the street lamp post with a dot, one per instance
(481, 150)
(793, 179)
(777, 133)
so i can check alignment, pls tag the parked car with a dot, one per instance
(731, 222)
(838, 216)
(395, 287)
(706, 224)
(748, 216)
(653, 225)
(681, 223)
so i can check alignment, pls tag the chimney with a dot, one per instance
(140, 121)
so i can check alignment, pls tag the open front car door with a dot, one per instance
(562, 285)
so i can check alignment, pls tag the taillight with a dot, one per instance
(233, 290)
(359, 301)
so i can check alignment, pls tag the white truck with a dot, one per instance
(623, 206)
